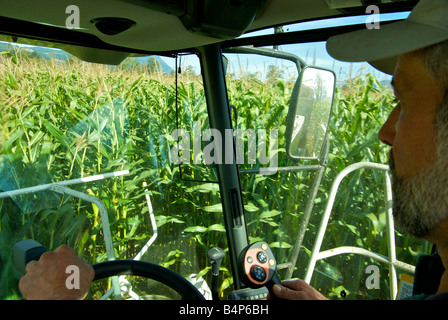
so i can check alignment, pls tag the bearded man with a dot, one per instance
(415, 51)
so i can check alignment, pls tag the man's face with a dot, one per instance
(416, 158)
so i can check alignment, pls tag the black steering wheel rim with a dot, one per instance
(149, 270)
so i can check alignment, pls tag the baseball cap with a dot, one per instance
(426, 25)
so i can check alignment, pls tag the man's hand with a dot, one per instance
(46, 279)
(297, 290)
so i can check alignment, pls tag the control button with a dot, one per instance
(249, 260)
(262, 257)
(258, 273)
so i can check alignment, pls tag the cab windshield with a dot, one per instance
(119, 163)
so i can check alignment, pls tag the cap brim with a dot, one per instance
(385, 65)
(381, 47)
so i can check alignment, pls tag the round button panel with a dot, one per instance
(258, 264)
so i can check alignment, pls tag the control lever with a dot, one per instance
(25, 251)
(216, 255)
(258, 267)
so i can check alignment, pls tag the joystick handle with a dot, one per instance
(25, 251)
(216, 255)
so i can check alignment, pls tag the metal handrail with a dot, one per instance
(61, 187)
(390, 259)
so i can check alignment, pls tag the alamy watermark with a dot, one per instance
(227, 149)
(73, 280)
(373, 21)
(373, 280)
(73, 20)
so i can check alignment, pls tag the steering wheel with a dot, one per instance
(27, 250)
(148, 270)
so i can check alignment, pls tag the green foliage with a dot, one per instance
(62, 122)
(358, 217)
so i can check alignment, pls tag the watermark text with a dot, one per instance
(73, 280)
(225, 149)
(373, 21)
(73, 20)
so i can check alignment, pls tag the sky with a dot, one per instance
(313, 53)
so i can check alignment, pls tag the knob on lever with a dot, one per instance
(25, 251)
(216, 255)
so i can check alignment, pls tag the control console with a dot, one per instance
(258, 271)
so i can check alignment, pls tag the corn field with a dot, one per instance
(68, 120)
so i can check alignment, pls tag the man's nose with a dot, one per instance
(387, 132)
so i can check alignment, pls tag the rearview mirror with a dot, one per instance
(309, 113)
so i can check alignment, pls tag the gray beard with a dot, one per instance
(420, 202)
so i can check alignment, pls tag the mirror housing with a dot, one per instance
(309, 113)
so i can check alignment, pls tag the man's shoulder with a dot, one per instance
(428, 273)
(441, 296)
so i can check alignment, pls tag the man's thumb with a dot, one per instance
(278, 290)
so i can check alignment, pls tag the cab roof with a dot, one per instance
(107, 31)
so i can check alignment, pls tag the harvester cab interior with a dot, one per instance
(197, 149)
